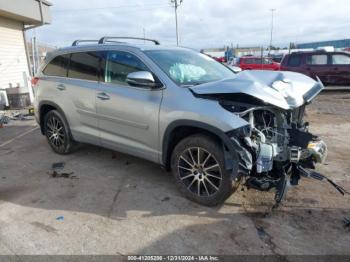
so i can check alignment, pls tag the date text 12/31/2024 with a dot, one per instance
(173, 258)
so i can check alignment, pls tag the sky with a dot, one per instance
(202, 23)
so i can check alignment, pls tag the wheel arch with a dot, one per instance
(179, 129)
(46, 106)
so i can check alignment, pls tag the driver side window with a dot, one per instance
(119, 64)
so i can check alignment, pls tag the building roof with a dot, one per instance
(29, 12)
(342, 43)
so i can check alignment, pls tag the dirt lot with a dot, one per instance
(118, 204)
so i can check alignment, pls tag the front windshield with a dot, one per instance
(187, 67)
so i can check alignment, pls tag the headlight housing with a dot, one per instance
(241, 132)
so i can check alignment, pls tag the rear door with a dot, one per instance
(340, 69)
(318, 65)
(49, 86)
(128, 116)
(79, 89)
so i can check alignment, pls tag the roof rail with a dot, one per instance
(105, 39)
(76, 42)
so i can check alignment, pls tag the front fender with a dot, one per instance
(242, 160)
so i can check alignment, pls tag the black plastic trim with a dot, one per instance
(50, 103)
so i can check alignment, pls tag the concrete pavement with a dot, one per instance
(118, 204)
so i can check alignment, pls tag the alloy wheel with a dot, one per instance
(55, 132)
(199, 171)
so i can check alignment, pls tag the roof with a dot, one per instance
(142, 47)
(111, 46)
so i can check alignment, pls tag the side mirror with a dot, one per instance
(141, 79)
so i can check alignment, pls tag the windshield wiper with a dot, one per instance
(193, 84)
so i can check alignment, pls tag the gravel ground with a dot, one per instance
(118, 204)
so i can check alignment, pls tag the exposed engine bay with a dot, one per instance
(276, 148)
(281, 148)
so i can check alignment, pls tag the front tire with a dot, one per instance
(57, 133)
(198, 166)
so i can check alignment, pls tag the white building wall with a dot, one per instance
(13, 60)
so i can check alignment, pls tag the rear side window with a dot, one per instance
(317, 59)
(85, 65)
(340, 59)
(294, 60)
(58, 66)
(119, 64)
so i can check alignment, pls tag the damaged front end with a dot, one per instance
(280, 146)
(275, 148)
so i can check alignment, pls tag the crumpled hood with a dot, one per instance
(283, 89)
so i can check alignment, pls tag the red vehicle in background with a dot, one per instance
(257, 63)
(220, 59)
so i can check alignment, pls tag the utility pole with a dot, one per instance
(34, 55)
(272, 11)
(144, 35)
(177, 3)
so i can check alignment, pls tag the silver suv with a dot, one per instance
(183, 110)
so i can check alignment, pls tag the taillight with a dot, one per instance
(34, 81)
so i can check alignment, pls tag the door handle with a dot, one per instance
(61, 87)
(103, 96)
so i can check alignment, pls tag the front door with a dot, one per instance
(127, 115)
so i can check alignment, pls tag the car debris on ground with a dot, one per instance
(4, 120)
(56, 171)
(7, 116)
(60, 218)
(346, 222)
(58, 166)
(21, 116)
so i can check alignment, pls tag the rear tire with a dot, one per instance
(198, 166)
(57, 132)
